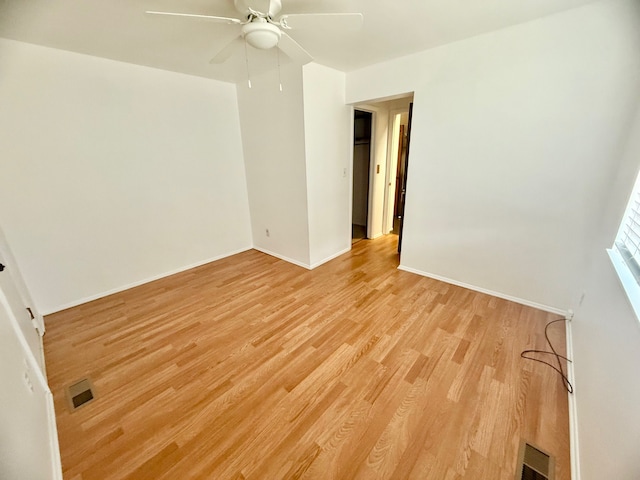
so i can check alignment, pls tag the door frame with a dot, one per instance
(20, 310)
(7, 255)
(35, 379)
(380, 116)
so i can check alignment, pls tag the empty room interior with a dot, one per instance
(268, 239)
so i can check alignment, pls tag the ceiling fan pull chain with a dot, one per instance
(279, 72)
(246, 58)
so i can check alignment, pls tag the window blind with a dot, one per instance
(628, 240)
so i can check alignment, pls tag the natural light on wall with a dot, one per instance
(625, 253)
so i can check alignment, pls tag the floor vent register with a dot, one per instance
(534, 464)
(80, 393)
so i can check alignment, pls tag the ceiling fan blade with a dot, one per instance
(294, 50)
(193, 15)
(224, 54)
(326, 21)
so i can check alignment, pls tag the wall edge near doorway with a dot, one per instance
(329, 258)
(574, 448)
(282, 257)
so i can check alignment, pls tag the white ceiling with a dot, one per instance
(119, 29)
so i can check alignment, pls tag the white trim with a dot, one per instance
(56, 462)
(39, 323)
(18, 280)
(573, 412)
(282, 257)
(43, 360)
(91, 298)
(329, 258)
(350, 170)
(189, 267)
(627, 280)
(521, 301)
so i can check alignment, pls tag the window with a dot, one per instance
(628, 239)
(625, 253)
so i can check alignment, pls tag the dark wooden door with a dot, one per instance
(402, 150)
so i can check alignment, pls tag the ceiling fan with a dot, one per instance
(262, 29)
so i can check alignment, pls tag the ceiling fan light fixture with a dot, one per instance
(262, 35)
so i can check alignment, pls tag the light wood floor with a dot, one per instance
(252, 368)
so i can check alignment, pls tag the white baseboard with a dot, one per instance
(282, 257)
(573, 412)
(56, 462)
(329, 258)
(301, 264)
(521, 301)
(91, 298)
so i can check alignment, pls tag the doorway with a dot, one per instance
(380, 152)
(362, 127)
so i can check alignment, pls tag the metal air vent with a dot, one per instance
(534, 464)
(80, 393)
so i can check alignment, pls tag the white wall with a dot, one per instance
(114, 174)
(327, 136)
(274, 153)
(511, 134)
(606, 339)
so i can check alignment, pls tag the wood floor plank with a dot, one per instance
(253, 368)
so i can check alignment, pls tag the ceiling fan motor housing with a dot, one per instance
(261, 34)
(245, 6)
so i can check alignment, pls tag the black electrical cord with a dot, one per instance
(559, 368)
